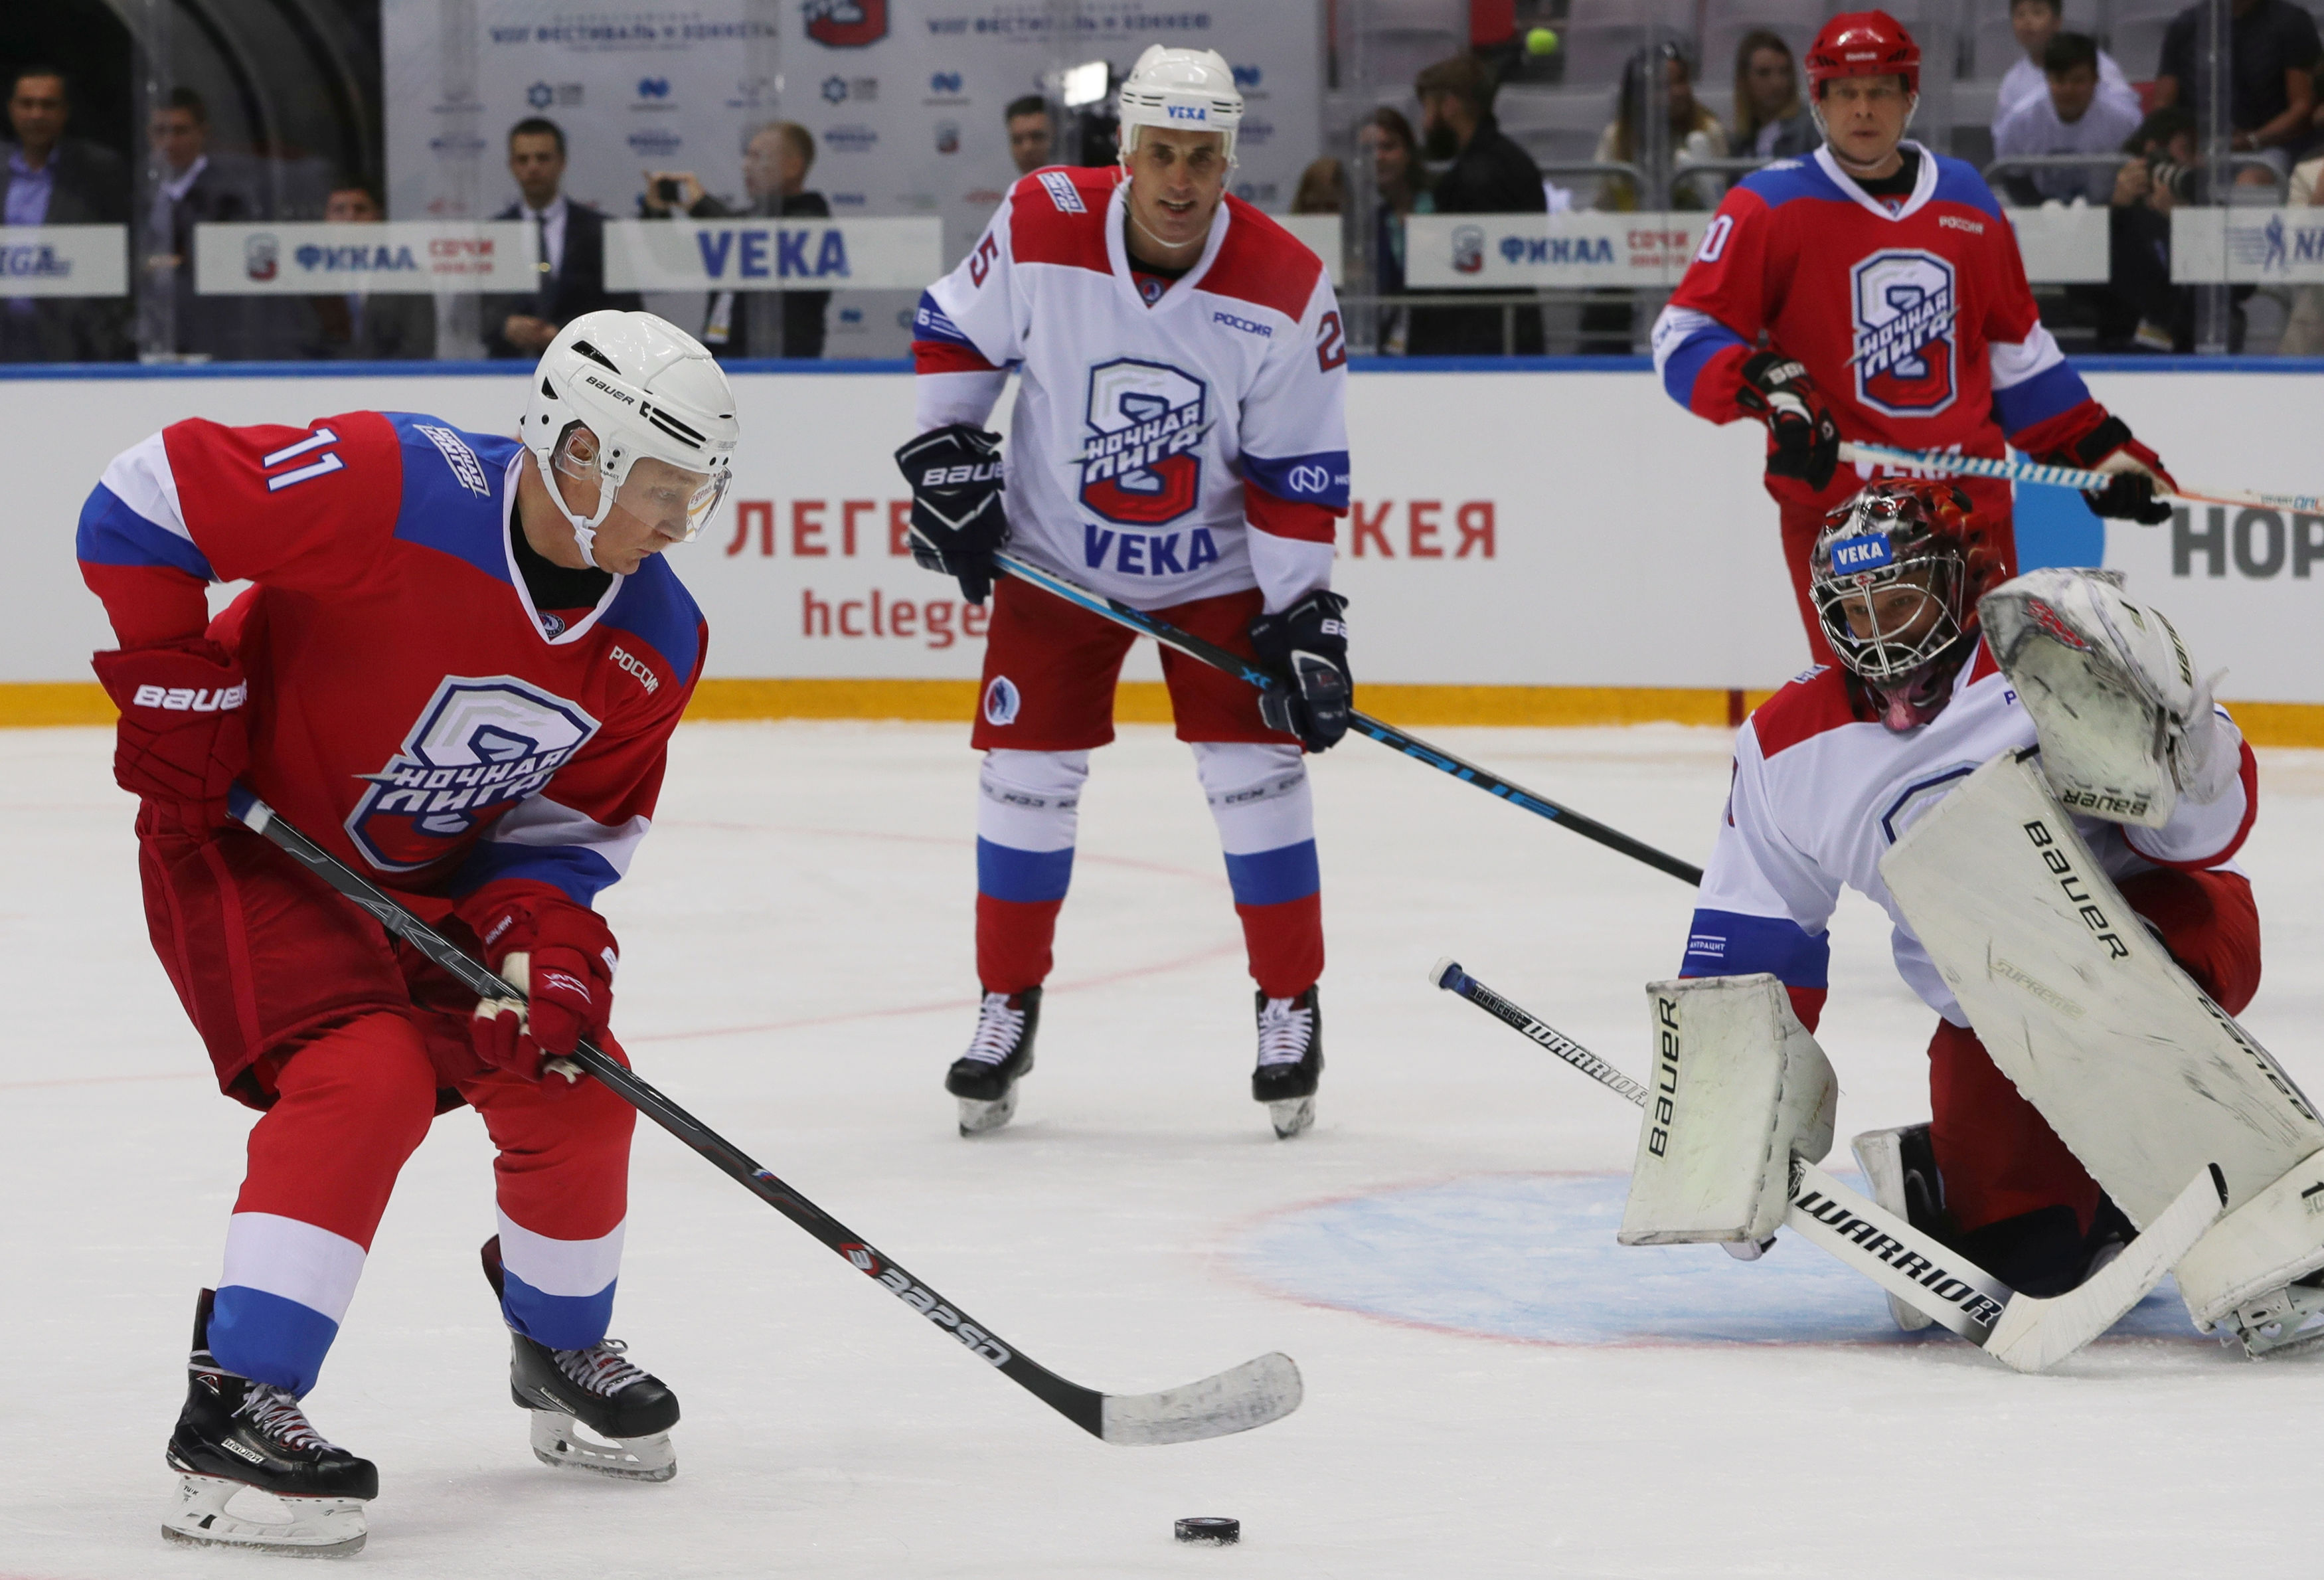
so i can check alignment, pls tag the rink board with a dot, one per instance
(1560, 526)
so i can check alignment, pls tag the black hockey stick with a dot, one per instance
(1387, 734)
(2023, 1332)
(1250, 1395)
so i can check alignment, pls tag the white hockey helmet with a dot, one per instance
(660, 412)
(1193, 90)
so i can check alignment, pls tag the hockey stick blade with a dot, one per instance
(1363, 723)
(2025, 1333)
(1250, 1395)
(2034, 1335)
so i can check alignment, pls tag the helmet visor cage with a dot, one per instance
(1886, 613)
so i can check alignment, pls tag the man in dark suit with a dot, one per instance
(362, 326)
(1490, 174)
(737, 323)
(50, 179)
(571, 239)
(192, 191)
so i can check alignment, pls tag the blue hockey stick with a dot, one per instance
(1388, 735)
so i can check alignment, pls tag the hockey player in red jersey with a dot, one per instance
(458, 667)
(1179, 444)
(1873, 293)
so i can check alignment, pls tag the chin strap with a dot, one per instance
(585, 532)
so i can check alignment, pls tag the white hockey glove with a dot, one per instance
(2124, 726)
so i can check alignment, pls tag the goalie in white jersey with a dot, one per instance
(1834, 769)
(1179, 444)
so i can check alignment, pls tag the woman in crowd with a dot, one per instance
(1387, 140)
(1770, 120)
(1695, 133)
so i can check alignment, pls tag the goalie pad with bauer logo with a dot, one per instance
(1738, 1087)
(2141, 1074)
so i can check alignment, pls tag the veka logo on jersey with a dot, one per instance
(480, 746)
(1141, 462)
(1903, 305)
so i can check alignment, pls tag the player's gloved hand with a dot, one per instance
(1307, 647)
(562, 956)
(957, 519)
(1803, 440)
(184, 736)
(2133, 493)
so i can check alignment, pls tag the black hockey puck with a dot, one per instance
(1209, 1531)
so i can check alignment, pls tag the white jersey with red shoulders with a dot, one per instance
(1912, 316)
(1146, 439)
(1822, 791)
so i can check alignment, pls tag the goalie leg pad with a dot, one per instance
(1739, 1087)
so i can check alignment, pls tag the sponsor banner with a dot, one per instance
(64, 259)
(2247, 246)
(773, 255)
(1523, 252)
(404, 257)
(1494, 536)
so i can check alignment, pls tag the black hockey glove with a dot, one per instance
(2135, 491)
(1778, 391)
(957, 519)
(1307, 647)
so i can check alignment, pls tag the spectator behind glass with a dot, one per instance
(571, 240)
(775, 158)
(1695, 133)
(50, 179)
(190, 192)
(2070, 117)
(359, 327)
(2273, 50)
(1323, 188)
(1402, 183)
(1770, 121)
(2303, 327)
(2149, 313)
(1488, 174)
(1032, 136)
(2036, 23)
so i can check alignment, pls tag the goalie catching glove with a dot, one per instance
(1803, 441)
(1306, 648)
(958, 523)
(562, 958)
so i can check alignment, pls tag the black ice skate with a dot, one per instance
(1901, 1166)
(999, 1056)
(233, 1435)
(630, 1410)
(1290, 1060)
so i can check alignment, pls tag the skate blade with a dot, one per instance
(317, 1528)
(557, 1441)
(978, 1116)
(1290, 1115)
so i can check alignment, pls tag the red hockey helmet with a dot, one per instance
(1863, 43)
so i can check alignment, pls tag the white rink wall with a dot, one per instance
(1527, 526)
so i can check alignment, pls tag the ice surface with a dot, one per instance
(1492, 1388)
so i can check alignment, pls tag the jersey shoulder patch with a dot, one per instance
(1958, 182)
(454, 484)
(1812, 705)
(1262, 264)
(1057, 216)
(654, 606)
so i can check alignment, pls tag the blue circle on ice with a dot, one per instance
(1532, 1257)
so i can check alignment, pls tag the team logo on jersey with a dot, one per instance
(1141, 443)
(479, 746)
(1904, 304)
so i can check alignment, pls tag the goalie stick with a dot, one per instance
(2024, 1333)
(1945, 464)
(1411, 745)
(1250, 1395)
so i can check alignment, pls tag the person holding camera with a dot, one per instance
(776, 160)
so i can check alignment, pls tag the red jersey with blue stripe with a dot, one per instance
(1912, 315)
(409, 707)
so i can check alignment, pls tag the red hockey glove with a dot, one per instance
(1803, 441)
(2138, 483)
(563, 956)
(184, 736)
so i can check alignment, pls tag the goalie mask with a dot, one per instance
(1896, 575)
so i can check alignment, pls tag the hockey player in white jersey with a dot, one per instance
(1844, 762)
(1178, 443)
